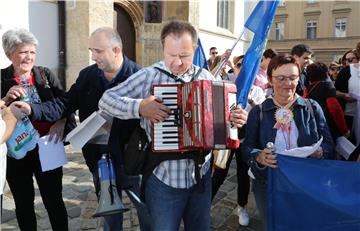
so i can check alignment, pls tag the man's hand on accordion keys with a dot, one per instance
(238, 117)
(153, 109)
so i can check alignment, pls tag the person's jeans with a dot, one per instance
(168, 205)
(260, 192)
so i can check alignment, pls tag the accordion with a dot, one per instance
(199, 118)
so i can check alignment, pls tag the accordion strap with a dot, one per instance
(176, 78)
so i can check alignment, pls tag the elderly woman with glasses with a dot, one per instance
(41, 85)
(285, 119)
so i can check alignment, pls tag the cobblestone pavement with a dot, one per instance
(80, 200)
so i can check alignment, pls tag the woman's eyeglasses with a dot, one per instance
(282, 78)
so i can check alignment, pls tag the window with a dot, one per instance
(223, 14)
(340, 27)
(311, 27)
(279, 30)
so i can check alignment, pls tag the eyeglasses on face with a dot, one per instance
(334, 68)
(238, 65)
(351, 59)
(214, 52)
(282, 78)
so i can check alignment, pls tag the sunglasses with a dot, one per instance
(214, 53)
(238, 65)
(351, 59)
(334, 68)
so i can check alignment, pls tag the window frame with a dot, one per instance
(314, 24)
(278, 35)
(342, 24)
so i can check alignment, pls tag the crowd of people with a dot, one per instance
(293, 103)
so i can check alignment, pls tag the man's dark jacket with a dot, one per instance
(84, 96)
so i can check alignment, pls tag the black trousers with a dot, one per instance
(219, 176)
(19, 175)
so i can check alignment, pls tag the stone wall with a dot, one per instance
(82, 17)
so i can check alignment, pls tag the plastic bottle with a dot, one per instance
(24, 83)
(25, 136)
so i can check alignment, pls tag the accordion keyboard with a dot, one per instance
(166, 136)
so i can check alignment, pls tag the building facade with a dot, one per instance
(63, 27)
(329, 27)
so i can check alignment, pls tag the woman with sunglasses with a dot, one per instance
(286, 120)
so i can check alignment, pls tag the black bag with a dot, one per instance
(136, 152)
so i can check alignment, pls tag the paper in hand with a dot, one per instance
(303, 152)
(52, 155)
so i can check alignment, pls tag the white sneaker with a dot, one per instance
(243, 216)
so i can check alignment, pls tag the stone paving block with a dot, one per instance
(219, 214)
(74, 224)
(82, 196)
(232, 179)
(228, 186)
(7, 215)
(74, 212)
(43, 224)
(219, 195)
(87, 213)
(9, 226)
(69, 203)
(229, 203)
(88, 224)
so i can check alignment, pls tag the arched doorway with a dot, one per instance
(125, 27)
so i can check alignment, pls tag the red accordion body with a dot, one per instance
(199, 118)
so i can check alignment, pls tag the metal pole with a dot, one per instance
(232, 48)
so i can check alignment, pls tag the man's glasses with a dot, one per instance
(238, 65)
(351, 59)
(282, 78)
(214, 53)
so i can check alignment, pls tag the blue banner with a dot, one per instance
(199, 57)
(258, 22)
(308, 194)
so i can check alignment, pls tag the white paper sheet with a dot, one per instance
(344, 147)
(303, 152)
(87, 129)
(51, 155)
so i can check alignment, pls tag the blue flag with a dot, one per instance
(199, 57)
(258, 22)
(307, 194)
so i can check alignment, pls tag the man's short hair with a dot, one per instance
(212, 48)
(300, 49)
(178, 28)
(270, 53)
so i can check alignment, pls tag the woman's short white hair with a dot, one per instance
(12, 38)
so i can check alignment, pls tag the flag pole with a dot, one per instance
(232, 48)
